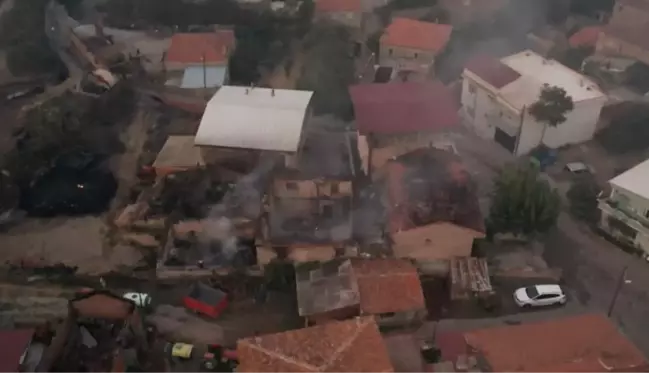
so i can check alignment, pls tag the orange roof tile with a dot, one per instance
(572, 344)
(403, 32)
(191, 48)
(347, 346)
(587, 36)
(388, 285)
(332, 6)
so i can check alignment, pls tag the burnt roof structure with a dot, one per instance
(427, 186)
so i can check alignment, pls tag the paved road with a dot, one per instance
(591, 265)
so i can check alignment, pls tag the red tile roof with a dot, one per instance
(14, 343)
(572, 344)
(388, 285)
(409, 33)
(492, 71)
(332, 6)
(341, 346)
(191, 48)
(428, 186)
(403, 107)
(587, 36)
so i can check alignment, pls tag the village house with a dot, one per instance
(462, 12)
(97, 319)
(583, 343)
(496, 96)
(242, 123)
(433, 214)
(387, 289)
(625, 34)
(199, 60)
(393, 119)
(411, 45)
(348, 13)
(309, 202)
(625, 211)
(344, 346)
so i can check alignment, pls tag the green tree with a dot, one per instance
(574, 57)
(328, 69)
(551, 107)
(522, 203)
(627, 131)
(582, 196)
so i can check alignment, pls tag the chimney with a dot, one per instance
(272, 92)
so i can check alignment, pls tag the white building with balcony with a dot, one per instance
(496, 96)
(625, 212)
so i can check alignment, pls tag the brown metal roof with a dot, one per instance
(14, 343)
(346, 346)
(492, 71)
(572, 344)
(376, 286)
(388, 285)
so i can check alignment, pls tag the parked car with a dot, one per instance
(142, 300)
(579, 168)
(539, 295)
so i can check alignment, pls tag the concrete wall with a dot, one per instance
(485, 111)
(312, 188)
(407, 58)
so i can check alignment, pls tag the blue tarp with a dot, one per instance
(196, 77)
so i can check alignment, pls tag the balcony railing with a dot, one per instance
(625, 214)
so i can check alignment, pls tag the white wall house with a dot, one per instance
(241, 120)
(496, 96)
(625, 212)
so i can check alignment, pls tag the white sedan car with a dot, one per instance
(539, 295)
(141, 300)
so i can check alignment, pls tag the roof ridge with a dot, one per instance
(283, 357)
(343, 346)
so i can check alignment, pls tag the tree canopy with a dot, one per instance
(583, 195)
(552, 106)
(328, 69)
(627, 131)
(522, 203)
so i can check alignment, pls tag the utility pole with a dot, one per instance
(621, 281)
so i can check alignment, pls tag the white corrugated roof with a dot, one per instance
(254, 118)
(635, 180)
(199, 77)
(535, 71)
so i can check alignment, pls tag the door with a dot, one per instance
(546, 299)
(506, 141)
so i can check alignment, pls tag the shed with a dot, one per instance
(469, 277)
(178, 154)
(206, 300)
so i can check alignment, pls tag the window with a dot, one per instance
(546, 296)
(472, 88)
(416, 55)
(327, 211)
(470, 111)
(334, 188)
(390, 51)
(386, 315)
(290, 185)
(531, 292)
